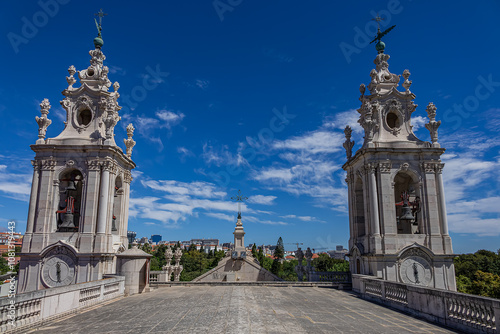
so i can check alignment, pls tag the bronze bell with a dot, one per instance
(406, 214)
(71, 186)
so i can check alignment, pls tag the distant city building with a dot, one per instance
(4, 238)
(339, 252)
(144, 240)
(207, 244)
(155, 238)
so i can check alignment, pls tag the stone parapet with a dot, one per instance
(464, 312)
(38, 307)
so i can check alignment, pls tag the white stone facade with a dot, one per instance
(394, 169)
(78, 211)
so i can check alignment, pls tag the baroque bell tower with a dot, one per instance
(397, 209)
(78, 211)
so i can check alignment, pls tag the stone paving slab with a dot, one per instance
(242, 309)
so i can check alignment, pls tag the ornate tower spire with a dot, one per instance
(239, 234)
(397, 209)
(78, 213)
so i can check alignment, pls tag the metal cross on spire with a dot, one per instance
(99, 25)
(239, 198)
(378, 19)
(379, 36)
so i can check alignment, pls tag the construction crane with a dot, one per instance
(294, 243)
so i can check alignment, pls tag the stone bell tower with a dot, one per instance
(397, 210)
(78, 211)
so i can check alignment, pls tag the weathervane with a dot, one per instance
(239, 198)
(380, 46)
(99, 25)
(98, 42)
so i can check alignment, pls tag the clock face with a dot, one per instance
(415, 270)
(58, 270)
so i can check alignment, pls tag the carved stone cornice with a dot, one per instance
(127, 176)
(429, 167)
(48, 164)
(93, 164)
(35, 164)
(439, 168)
(110, 166)
(385, 167)
(371, 167)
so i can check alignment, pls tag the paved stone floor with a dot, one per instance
(241, 309)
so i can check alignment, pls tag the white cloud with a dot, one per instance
(314, 142)
(184, 152)
(203, 84)
(14, 185)
(261, 199)
(418, 122)
(196, 188)
(340, 120)
(303, 218)
(468, 168)
(221, 216)
(169, 118)
(219, 155)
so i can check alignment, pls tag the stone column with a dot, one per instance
(372, 184)
(32, 206)
(442, 202)
(127, 178)
(103, 199)
(33, 197)
(55, 205)
(350, 193)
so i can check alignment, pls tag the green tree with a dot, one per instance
(276, 267)
(478, 273)
(147, 248)
(486, 284)
(4, 266)
(254, 250)
(279, 252)
(260, 256)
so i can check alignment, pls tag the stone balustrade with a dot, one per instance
(467, 313)
(37, 307)
(341, 277)
(159, 276)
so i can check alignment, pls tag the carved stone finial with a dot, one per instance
(110, 120)
(129, 142)
(406, 83)
(43, 122)
(433, 125)
(348, 144)
(71, 80)
(362, 89)
(116, 86)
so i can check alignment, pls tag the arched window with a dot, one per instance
(359, 209)
(117, 206)
(70, 199)
(407, 199)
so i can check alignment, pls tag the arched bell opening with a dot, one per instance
(117, 206)
(407, 199)
(359, 209)
(70, 200)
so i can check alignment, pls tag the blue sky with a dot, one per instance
(253, 95)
